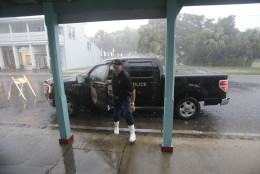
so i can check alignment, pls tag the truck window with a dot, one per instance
(141, 69)
(99, 74)
(110, 73)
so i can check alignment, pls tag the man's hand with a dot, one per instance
(132, 108)
(108, 82)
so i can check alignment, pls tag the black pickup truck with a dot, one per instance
(192, 86)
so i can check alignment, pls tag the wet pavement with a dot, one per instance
(223, 139)
(33, 150)
(240, 115)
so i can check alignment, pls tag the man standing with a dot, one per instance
(123, 99)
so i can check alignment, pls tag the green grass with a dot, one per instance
(242, 73)
(254, 70)
(256, 65)
(220, 68)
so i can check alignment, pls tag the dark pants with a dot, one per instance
(122, 105)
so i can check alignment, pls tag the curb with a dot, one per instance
(145, 132)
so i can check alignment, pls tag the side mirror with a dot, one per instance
(80, 79)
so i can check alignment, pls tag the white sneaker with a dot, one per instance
(132, 133)
(116, 128)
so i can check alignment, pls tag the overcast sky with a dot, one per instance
(248, 16)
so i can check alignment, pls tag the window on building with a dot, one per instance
(18, 27)
(61, 31)
(4, 28)
(89, 46)
(40, 28)
(36, 26)
(71, 32)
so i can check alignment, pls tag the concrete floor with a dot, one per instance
(30, 150)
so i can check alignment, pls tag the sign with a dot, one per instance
(23, 50)
(18, 88)
(21, 80)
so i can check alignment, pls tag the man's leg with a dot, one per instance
(117, 113)
(126, 111)
(129, 118)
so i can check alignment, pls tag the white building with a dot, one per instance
(24, 45)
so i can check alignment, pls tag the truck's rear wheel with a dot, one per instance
(73, 106)
(187, 108)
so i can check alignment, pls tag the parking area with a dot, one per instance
(223, 139)
(241, 115)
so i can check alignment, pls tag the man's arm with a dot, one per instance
(132, 103)
(133, 96)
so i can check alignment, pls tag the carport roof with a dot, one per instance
(70, 11)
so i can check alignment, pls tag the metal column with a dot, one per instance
(48, 56)
(51, 20)
(171, 13)
(34, 67)
(16, 59)
(2, 62)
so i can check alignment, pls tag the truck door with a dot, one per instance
(98, 87)
(145, 76)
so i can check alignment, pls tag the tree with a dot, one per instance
(213, 41)
(251, 46)
(199, 41)
(188, 28)
(125, 41)
(104, 41)
(151, 38)
(118, 43)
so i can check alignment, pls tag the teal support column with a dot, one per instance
(51, 20)
(171, 13)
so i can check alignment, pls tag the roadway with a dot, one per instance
(241, 115)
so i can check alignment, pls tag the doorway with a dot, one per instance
(8, 56)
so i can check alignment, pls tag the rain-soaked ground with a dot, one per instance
(241, 115)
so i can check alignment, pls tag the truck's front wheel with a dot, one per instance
(187, 108)
(73, 106)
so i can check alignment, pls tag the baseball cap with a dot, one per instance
(117, 63)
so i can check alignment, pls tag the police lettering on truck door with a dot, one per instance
(142, 75)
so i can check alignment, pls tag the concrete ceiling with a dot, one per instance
(70, 11)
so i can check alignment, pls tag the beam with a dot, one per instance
(51, 21)
(93, 16)
(172, 11)
(22, 10)
(215, 2)
(101, 8)
(104, 5)
(104, 10)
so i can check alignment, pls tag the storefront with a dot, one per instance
(29, 57)
(40, 55)
(24, 57)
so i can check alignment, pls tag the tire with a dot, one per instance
(187, 108)
(73, 106)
